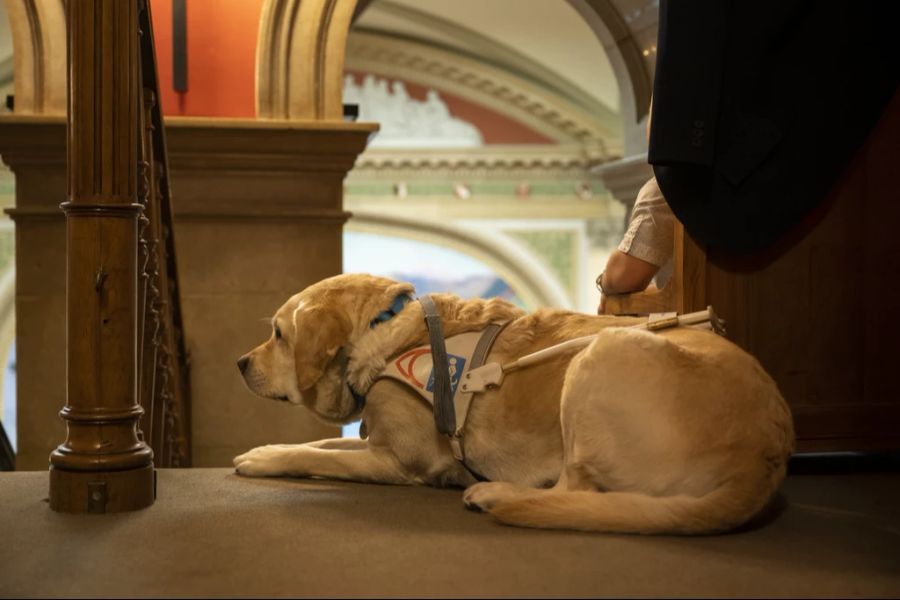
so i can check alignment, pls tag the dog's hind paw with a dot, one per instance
(483, 496)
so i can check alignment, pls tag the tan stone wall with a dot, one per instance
(258, 216)
(234, 274)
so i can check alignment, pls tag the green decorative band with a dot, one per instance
(565, 188)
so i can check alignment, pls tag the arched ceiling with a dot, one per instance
(573, 70)
(549, 38)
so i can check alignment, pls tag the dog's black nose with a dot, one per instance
(243, 362)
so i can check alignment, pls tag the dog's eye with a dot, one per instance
(277, 333)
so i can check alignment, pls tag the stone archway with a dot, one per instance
(302, 45)
(635, 81)
(300, 58)
(535, 284)
(39, 52)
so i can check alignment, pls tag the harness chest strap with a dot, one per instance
(440, 386)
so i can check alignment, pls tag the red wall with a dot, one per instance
(221, 49)
(221, 70)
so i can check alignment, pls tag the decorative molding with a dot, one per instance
(489, 51)
(407, 122)
(566, 159)
(300, 58)
(503, 91)
(447, 208)
(226, 151)
(290, 146)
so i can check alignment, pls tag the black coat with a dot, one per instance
(758, 105)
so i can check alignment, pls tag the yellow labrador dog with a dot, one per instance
(677, 432)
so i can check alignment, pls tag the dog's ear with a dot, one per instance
(319, 332)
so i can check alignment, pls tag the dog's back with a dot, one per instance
(682, 432)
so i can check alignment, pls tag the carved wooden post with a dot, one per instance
(104, 465)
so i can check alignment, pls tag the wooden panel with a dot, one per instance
(688, 281)
(817, 309)
(853, 426)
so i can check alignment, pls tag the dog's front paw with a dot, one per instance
(265, 461)
(483, 496)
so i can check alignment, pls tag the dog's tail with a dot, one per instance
(724, 508)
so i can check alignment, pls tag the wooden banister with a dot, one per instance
(163, 388)
(118, 292)
(103, 465)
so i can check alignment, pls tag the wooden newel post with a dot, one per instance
(104, 465)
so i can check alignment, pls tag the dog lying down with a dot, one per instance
(673, 432)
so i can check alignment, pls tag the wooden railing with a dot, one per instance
(163, 388)
(126, 373)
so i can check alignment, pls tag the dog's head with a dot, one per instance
(313, 333)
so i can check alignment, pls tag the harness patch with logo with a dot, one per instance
(457, 364)
(415, 368)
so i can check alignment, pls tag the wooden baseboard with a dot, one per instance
(847, 427)
(844, 462)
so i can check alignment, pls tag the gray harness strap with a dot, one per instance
(445, 415)
(479, 355)
(444, 412)
(484, 344)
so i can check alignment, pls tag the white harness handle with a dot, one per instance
(491, 374)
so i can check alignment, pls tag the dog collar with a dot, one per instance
(396, 306)
(386, 315)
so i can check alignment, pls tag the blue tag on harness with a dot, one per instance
(457, 366)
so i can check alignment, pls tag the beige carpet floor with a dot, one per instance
(211, 533)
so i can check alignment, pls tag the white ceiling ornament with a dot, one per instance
(505, 92)
(407, 122)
